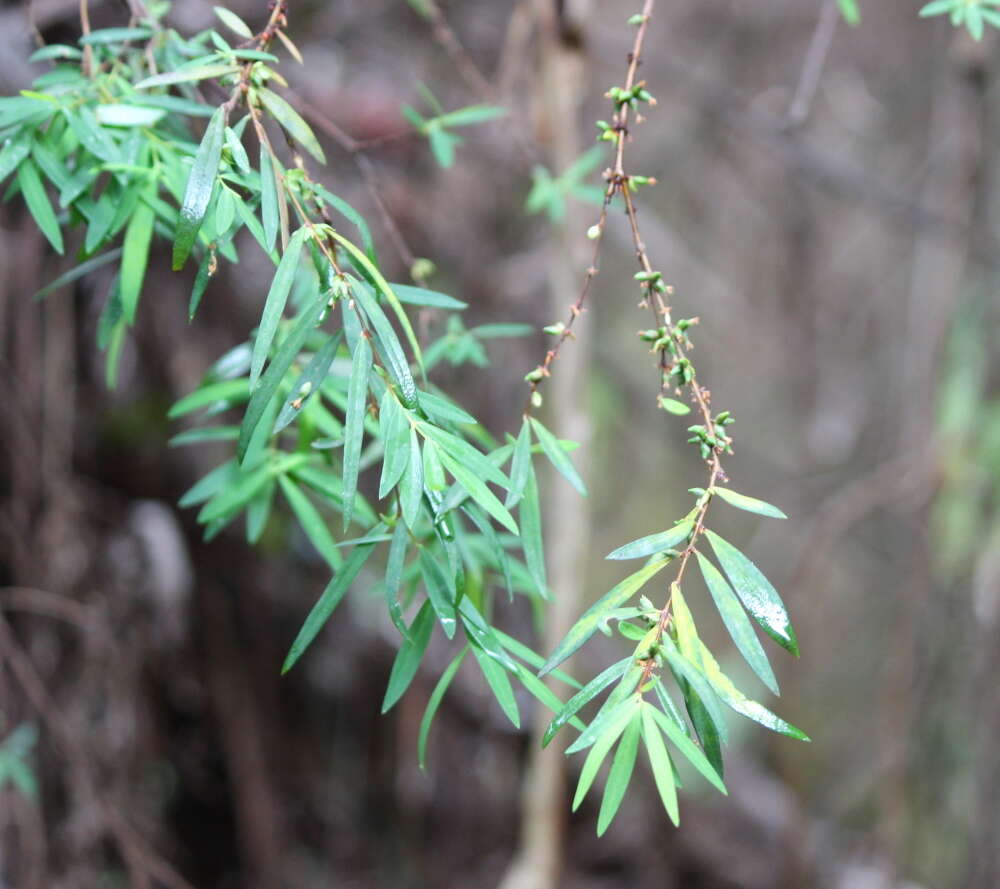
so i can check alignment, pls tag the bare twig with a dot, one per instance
(812, 68)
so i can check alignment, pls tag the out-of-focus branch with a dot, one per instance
(812, 68)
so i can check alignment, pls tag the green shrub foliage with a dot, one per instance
(139, 137)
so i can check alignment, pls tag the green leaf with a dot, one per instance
(688, 748)
(268, 198)
(474, 114)
(312, 523)
(187, 75)
(519, 465)
(585, 627)
(122, 115)
(398, 365)
(376, 277)
(543, 693)
(418, 296)
(522, 651)
(269, 382)
(434, 477)
(354, 424)
(234, 497)
(739, 702)
(292, 121)
(404, 667)
(756, 593)
(411, 485)
(750, 504)
(442, 409)
(659, 763)
(499, 683)
(353, 216)
(14, 151)
(701, 687)
(438, 592)
(206, 433)
(479, 492)
(328, 601)
(584, 696)
(849, 10)
(232, 21)
(606, 731)
(309, 382)
(621, 773)
(135, 256)
(530, 515)
(79, 271)
(198, 192)
(394, 430)
(38, 203)
(225, 392)
(114, 35)
(673, 406)
(394, 576)
(557, 456)
(274, 305)
(654, 543)
(434, 702)
(463, 452)
(737, 623)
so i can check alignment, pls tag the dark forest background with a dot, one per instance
(827, 204)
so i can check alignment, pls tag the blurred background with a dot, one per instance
(827, 205)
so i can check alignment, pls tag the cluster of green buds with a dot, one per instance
(631, 96)
(636, 20)
(608, 132)
(635, 180)
(714, 440)
(651, 279)
(536, 375)
(557, 329)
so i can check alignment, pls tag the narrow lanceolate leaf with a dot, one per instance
(274, 305)
(312, 523)
(371, 270)
(232, 21)
(328, 601)
(738, 624)
(530, 515)
(543, 693)
(198, 192)
(268, 198)
(37, 200)
(691, 674)
(308, 382)
(135, 255)
(621, 773)
(587, 625)
(394, 576)
(558, 457)
(756, 593)
(186, 75)
(479, 492)
(354, 425)
(388, 343)
(411, 485)
(293, 123)
(404, 668)
(519, 465)
(659, 763)
(739, 702)
(438, 592)
(268, 386)
(586, 694)
(394, 430)
(499, 683)
(78, 271)
(606, 732)
(13, 152)
(750, 504)
(691, 751)
(654, 543)
(434, 702)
